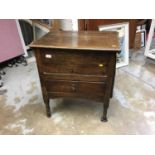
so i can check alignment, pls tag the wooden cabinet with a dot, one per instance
(77, 64)
(92, 24)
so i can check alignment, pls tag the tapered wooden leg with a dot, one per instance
(105, 109)
(48, 110)
(47, 103)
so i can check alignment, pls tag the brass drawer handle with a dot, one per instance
(48, 56)
(100, 65)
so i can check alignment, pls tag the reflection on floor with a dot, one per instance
(131, 111)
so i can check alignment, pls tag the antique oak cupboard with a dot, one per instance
(77, 64)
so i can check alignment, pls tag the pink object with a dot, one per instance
(10, 42)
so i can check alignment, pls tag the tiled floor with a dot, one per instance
(131, 111)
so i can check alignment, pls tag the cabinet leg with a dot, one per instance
(47, 104)
(48, 110)
(46, 101)
(104, 116)
(111, 95)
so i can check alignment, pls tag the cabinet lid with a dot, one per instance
(84, 40)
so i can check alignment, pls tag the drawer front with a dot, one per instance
(70, 57)
(92, 69)
(72, 77)
(93, 88)
(61, 86)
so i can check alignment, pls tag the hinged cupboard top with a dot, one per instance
(83, 40)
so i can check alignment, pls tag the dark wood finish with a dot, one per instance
(77, 64)
(92, 24)
(79, 40)
(76, 86)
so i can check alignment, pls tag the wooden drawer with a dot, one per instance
(92, 88)
(61, 86)
(76, 87)
(70, 57)
(91, 69)
(73, 62)
(72, 77)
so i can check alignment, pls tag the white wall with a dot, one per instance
(69, 24)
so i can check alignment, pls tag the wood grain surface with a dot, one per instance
(91, 40)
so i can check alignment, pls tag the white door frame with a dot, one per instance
(21, 38)
(150, 53)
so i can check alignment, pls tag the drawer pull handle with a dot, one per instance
(48, 56)
(73, 89)
(100, 65)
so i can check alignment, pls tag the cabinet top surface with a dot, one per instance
(84, 40)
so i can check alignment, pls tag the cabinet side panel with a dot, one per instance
(111, 75)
